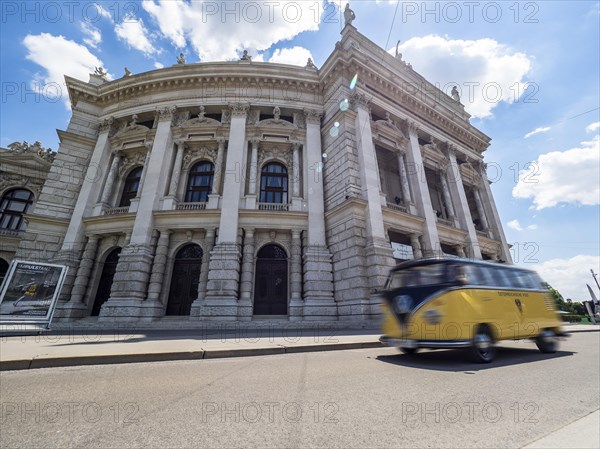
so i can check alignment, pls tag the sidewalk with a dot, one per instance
(102, 346)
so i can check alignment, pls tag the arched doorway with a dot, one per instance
(106, 280)
(270, 286)
(184, 282)
(3, 269)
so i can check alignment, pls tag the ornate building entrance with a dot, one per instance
(184, 282)
(270, 294)
(106, 280)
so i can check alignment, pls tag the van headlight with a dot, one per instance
(433, 316)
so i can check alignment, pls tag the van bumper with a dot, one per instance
(431, 344)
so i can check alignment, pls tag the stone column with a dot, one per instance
(130, 284)
(296, 170)
(223, 279)
(404, 180)
(219, 168)
(318, 270)
(76, 308)
(253, 167)
(159, 265)
(176, 168)
(418, 182)
(74, 241)
(480, 209)
(110, 180)
(447, 197)
(497, 224)
(416, 246)
(457, 190)
(209, 243)
(245, 310)
(296, 304)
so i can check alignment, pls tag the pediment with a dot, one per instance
(275, 123)
(199, 121)
(133, 129)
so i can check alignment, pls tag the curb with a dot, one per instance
(61, 362)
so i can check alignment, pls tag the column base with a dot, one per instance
(70, 310)
(216, 308)
(296, 309)
(319, 303)
(130, 310)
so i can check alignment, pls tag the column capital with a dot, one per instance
(360, 100)
(239, 109)
(220, 140)
(255, 141)
(166, 113)
(296, 233)
(164, 232)
(249, 232)
(117, 153)
(413, 127)
(181, 143)
(106, 124)
(148, 144)
(93, 237)
(312, 116)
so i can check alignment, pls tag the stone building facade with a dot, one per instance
(243, 190)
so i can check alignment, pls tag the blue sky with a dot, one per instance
(533, 67)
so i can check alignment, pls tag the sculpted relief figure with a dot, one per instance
(454, 94)
(181, 59)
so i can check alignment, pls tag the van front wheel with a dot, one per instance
(408, 351)
(547, 341)
(483, 348)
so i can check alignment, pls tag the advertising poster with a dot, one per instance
(30, 291)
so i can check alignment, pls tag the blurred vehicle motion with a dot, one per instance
(459, 303)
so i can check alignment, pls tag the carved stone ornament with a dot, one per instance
(37, 148)
(238, 109)
(358, 99)
(130, 161)
(299, 120)
(253, 117)
(8, 180)
(106, 124)
(197, 154)
(312, 117)
(226, 116)
(132, 127)
(199, 120)
(413, 127)
(283, 155)
(166, 113)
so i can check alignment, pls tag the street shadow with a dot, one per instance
(458, 360)
(227, 335)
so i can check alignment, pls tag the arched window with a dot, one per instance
(14, 204)
(200, 181)
(274, 184)
(130, 189)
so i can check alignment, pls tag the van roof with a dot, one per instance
(453, 260)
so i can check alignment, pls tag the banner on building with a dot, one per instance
(30, 291)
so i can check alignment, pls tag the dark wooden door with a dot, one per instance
(184, 282)
(270, 288)
(106, 280)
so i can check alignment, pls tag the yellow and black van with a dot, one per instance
(454, 303)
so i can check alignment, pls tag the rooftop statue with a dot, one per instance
(454, 94)
(246, 56)
(310, 64)
(181, 59)
(349, 15)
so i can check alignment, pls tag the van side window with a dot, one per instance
(501, 277)
(476, 275)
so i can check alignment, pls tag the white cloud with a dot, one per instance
(569, 276)
(538, 131)
(218, 31)
(94, 37)
(59, 57)
(484, 71)
(592, 127)
(158, 65)
(563, 177)
(514, 224)
(295, 56)
(134, 32)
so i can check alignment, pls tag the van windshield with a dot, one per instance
(417, 276)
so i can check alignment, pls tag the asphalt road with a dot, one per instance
(347, 399)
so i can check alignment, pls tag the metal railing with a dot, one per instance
(273, 207)
(191, 206)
